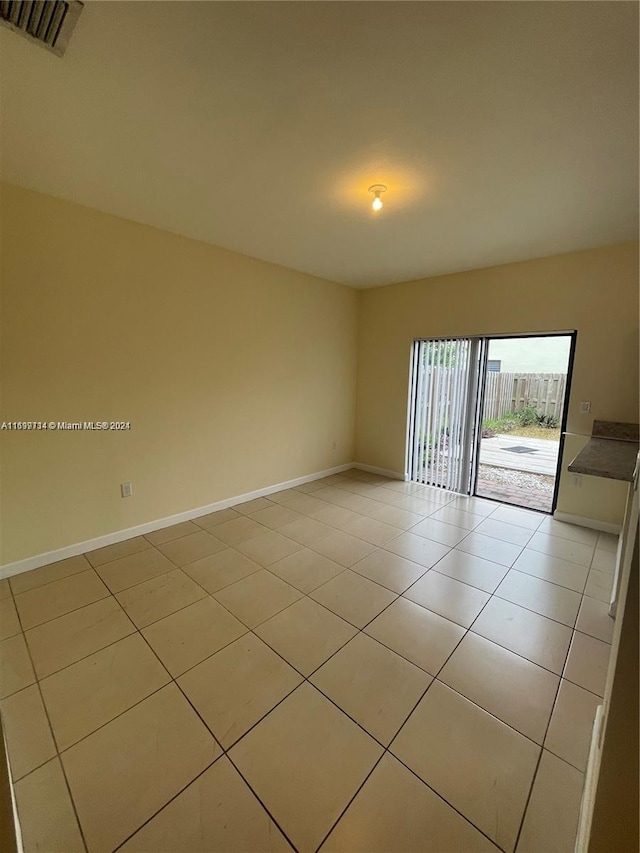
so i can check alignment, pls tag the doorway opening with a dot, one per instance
(524, 397)
(487, 415)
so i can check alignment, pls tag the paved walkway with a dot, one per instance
(541, 456)
(515, 495)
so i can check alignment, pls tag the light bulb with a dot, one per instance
(376, 191)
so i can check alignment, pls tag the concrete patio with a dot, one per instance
(540, 456)
(536, 457)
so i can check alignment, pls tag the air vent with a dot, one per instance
(49, 22)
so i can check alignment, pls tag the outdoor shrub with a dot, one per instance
(527, 416)
(548, 421)
(511, 420)
(491, 426)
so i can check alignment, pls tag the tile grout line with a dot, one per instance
(55, 745)
(387, 747)
(216, 741)
(137, 630)
(55, 742)
(546, 731)
(553, 708)
(121, 713)
(182, 790)
(259, 799)
(540, 746)
(350, 800)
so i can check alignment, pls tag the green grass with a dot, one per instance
(525, 423)
(536, 432)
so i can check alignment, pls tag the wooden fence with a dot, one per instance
(510, 392)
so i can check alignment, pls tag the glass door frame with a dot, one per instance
(475, 403)
(573, 335)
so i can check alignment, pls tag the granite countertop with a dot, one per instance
(617, 430)
(614, 458)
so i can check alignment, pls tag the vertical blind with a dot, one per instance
(440, 412)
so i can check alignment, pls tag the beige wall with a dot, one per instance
(235, 374)
(595, 292)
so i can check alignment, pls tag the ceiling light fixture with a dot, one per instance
(376, 190)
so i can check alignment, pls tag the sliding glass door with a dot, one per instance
(487, 414)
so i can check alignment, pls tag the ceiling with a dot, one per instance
(504, 131)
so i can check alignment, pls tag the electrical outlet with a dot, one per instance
(334, 445)
(577, 480)
(126, 490)
(585, 407)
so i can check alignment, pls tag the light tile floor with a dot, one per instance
(356, 664)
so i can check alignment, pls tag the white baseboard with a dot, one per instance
(383, 472)
(19, 566)
(593, 523)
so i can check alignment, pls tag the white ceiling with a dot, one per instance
(504, 130)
